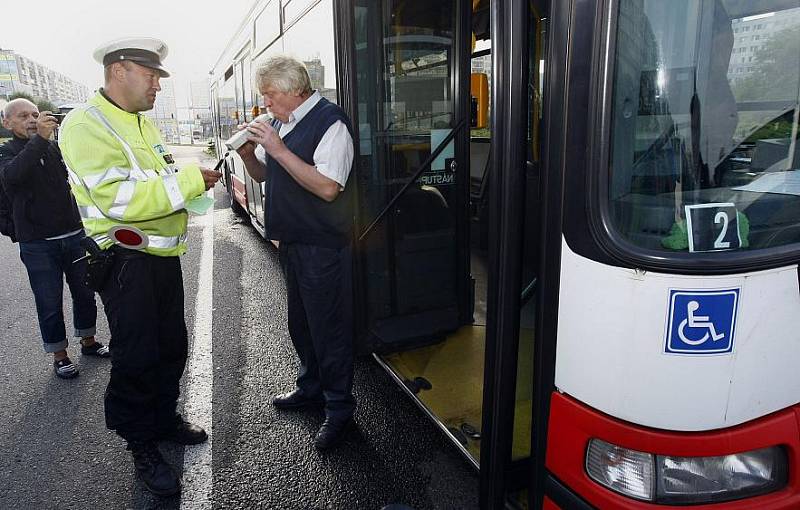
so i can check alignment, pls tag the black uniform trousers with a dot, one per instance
(143, 300)
(320, 321)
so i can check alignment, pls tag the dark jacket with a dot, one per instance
(294, 214)
(34, 177)
(6, 219)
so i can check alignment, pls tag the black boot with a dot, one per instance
(158, 476)
(183, 432)
(332, 432)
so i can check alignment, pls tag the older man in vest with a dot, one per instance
(305, 156)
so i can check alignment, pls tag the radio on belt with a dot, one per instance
(240, 138)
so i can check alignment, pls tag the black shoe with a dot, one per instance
(186, 433)
(96, 349)
(332, 432)
(65, 368)
(158, 476)
(295, 400)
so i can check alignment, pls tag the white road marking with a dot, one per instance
(197, 460)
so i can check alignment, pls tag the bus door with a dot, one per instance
(415, 289)
(244, 96)
(228, 118)
(412, 173)
(436, 221)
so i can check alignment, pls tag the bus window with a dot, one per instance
(227, 109)
(238, 89)
(276, 48)
(704, 150)
(267, 25)
(311, 41)
(247, 89)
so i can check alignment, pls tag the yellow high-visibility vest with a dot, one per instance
(121, 175)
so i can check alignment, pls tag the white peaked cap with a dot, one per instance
(145, 51)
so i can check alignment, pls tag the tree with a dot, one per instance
(45, 106)
(21, 95)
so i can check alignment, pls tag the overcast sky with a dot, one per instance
(62, 34)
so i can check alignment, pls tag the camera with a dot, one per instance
(59, 116)
(240, 138)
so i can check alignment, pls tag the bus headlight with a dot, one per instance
(712, 479)
(685, 480)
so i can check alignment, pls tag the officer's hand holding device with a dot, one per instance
(210, 177)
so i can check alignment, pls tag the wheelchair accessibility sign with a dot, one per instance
(701, 322)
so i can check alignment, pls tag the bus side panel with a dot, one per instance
(239, 191)
(619, 350)
(571, 426)
(238, 180)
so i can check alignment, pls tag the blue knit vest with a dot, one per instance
(295, 215)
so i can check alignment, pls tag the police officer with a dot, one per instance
(132, 201)
(306, 156)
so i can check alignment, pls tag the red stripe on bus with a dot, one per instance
(239, 191)
(573, 424)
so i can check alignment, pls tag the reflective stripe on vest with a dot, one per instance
(136, 174)
(97, 114)
(160, 242)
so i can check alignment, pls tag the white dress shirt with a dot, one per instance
(333, 157)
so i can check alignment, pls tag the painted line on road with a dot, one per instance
(197, 460)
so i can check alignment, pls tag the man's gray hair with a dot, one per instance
(8, 109)
(285, 74)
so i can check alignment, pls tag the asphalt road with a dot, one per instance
(55, 452)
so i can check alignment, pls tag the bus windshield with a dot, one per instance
(704, 146)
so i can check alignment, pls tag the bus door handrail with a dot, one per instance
(425, 164)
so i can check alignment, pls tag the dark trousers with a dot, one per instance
(143, 301)
(320, 304)
(48, 263)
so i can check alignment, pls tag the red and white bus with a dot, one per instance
(577, 232)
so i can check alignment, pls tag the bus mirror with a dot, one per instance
(479, 90)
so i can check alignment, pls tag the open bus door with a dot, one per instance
(415, 284)
(448, 214)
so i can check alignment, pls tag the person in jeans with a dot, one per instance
(48, 227)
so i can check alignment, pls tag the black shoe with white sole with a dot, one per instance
(96, 349)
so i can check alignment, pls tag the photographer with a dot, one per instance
(48, 228)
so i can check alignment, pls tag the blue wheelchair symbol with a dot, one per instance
(701, 321)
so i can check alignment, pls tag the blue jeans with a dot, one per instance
(48, 262)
